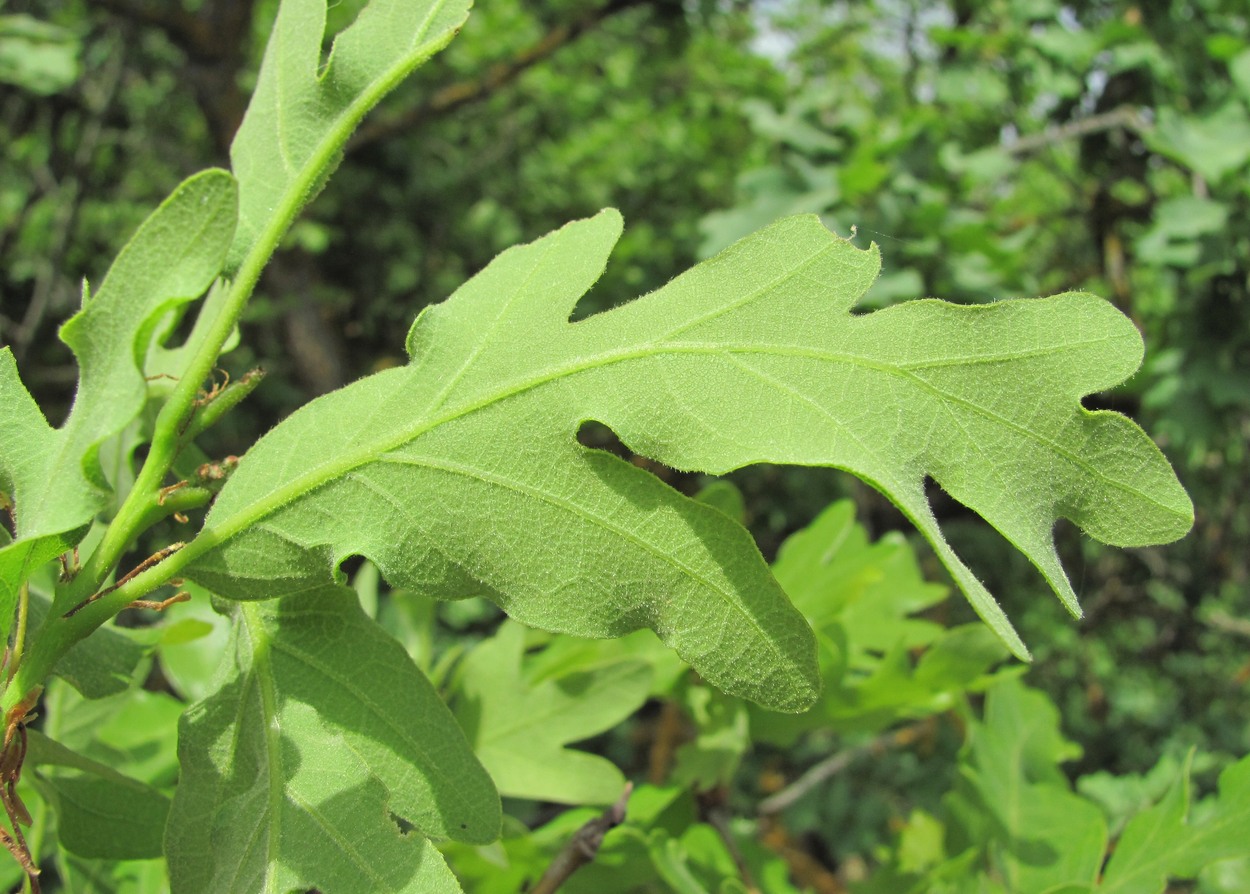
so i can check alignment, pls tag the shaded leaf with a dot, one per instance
(1037, 834)
(101, 813)
(861, 597)
(106, 663)
(322, 749)
(1164, 843)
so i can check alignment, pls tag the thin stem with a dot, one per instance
(19, 637)
(583, 846)
(836, 763)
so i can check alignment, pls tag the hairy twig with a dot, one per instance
(583, 846)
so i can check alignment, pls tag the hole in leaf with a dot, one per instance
(350, 565)
(598, 436)
(405, 827)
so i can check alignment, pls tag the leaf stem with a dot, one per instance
(19, 637)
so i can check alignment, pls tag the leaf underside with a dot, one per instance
(302, 113)
(460, 475)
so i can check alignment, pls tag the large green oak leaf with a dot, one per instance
(460, 474)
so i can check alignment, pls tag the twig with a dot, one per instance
(1227, 623)
(158, 556)
(670, 730)
(836, 763)
(717, 817)
(583, 846)
(1126, 117)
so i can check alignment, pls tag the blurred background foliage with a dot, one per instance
(993, 149)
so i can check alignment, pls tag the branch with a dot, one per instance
(498, 75)
(1126, 117)
(583, 846)
(836, 763)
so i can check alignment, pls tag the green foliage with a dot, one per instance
(321, 755)
(330, 746)
(1014, 824)
(54, 474)
(518, 726)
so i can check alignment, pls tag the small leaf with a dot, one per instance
(519, 730)
(327, 745)
(301, 115)
(54, 476)
(459, 474)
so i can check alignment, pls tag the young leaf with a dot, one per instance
(1038, 834)
(1162, 843)
(53, 475)
(301, 114)
(327, 744)
(519, 730)
(459, 474)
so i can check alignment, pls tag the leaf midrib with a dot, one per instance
(225, 529)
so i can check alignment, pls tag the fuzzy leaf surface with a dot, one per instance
(53, 475)
(459, 474)
(519, 728)
(315, 760)
(301, 115)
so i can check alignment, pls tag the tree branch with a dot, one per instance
(1126, 117)
(583, 846)
(836, 763)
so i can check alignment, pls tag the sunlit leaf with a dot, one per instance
(53, 475)
(459, 474)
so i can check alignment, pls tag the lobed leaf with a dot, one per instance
(459, 474)
(53, 475)
(321, 750)
(302, 113)
(519, 729)
(1164, 843)
(1038, 834)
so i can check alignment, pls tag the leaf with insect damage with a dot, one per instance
(460, 473)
